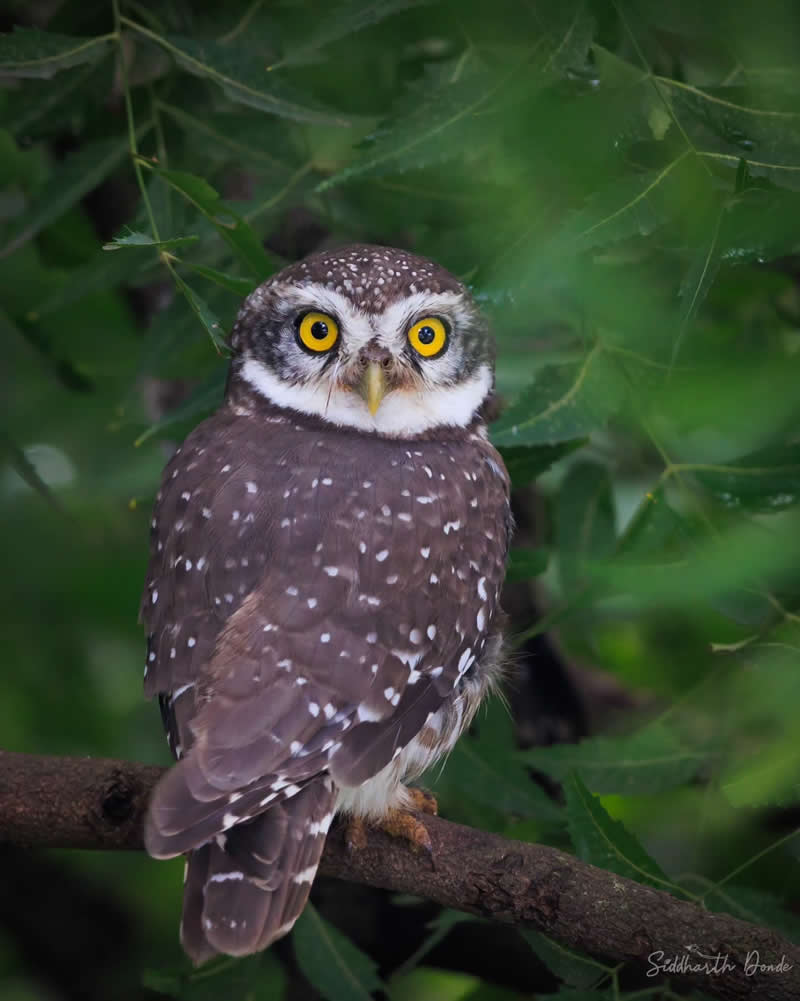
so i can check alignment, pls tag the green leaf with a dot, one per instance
(201, 310)
(201, 401)
(526, 563)
(525, 464)
(137, 240)
(70, 180)
(585, 532)
(564, 402)
(435, 123)
(339, 20)
(28, 52)
(605, 842)
(698, 280)
(230, 226)
(765, 481)
(240, 287)
(103, 271)
(242, 75)
(650, 761)
(760, 224)
(628, 207)
(572, 967)
(339, 970)
(256, 978)
(724, 124)
(656, 531)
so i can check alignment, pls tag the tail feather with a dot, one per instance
(193, 938)
(247, 887)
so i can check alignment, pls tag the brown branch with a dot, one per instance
(97, 803)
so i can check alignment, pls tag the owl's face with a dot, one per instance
(366, 337)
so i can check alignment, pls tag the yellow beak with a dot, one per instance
(373, 386)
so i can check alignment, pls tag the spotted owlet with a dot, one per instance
(322, 596)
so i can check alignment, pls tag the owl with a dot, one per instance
(322, 599)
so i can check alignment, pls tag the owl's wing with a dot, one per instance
(355, 634)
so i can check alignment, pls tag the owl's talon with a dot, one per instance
(422, 801)
(402, 824)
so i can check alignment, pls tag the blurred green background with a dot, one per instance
(619, 184)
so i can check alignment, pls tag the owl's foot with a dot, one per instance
(422, 801)
(397, 823)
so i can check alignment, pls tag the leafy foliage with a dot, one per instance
(619, 184)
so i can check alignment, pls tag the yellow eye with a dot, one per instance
(428, 337)
(318, 332)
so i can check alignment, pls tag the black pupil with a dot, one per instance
(319, 330)
(426, 335)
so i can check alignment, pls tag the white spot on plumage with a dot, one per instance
(431, 631)
(425, 552)
(381, 556)
(292, 591)
(331, 571)
(191, 641)
(154, 597)
(415, 636)
(480, 619)
(330, 710)
(221, 877)
(388, 693)
(482, 589)
(451, 526)
(325, 638)
(313, 708)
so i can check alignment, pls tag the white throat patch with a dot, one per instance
(402, 413)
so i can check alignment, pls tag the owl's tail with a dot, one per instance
(247, 886)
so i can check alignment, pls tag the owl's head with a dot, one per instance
(366, 337)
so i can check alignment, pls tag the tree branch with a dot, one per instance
(100, 803)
